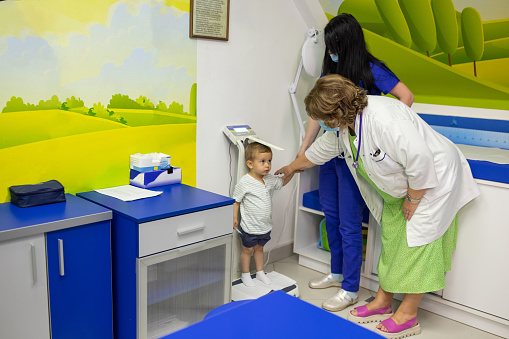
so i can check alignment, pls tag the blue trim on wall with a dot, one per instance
(470, 123)
(486, 170)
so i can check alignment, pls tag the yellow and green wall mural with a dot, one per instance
(84, 84)
(445, 51)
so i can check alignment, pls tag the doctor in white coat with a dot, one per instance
(413, 180)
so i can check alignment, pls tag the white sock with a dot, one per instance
(247, 280)
(260, 275)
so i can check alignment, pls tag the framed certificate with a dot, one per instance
(209, 19)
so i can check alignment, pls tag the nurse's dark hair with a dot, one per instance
(335, 100)
(343, 36)
(254, 148)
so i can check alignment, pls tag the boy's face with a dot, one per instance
(261, 164)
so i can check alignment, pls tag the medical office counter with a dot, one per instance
(171, 258)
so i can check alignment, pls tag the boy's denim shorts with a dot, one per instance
(250, 240)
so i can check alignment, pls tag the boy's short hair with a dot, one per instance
(254, 148)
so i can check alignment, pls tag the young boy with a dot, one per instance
(253, 195)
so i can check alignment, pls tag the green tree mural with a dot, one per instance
(175, 107)
(473, 36)
(53, 103)
(366, 14)
(122, 101)
(192, 101)
(162, 106)
(395, 21)
(74, 103)
(419, 17)
(15, 104)
(446, 25)
(144, 102)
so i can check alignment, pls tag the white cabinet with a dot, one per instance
(480, 271)
(24, 288)
(43, 295)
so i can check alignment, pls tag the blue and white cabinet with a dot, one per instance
(171, 259)
(56, 271)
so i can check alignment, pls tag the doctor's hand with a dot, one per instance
(287, 172)
(409, 209)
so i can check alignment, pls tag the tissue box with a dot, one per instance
(173, 175)
(149, 162)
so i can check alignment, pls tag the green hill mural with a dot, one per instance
(85, 84)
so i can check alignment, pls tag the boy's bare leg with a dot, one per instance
(245, 260)
(258, 257)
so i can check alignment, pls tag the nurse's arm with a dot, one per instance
(403, 93)
(311, 132)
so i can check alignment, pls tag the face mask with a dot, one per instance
(328, 129)
(334, 57)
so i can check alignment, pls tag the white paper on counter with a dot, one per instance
(128, 192)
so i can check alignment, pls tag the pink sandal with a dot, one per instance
(366, 316)
(395, 331)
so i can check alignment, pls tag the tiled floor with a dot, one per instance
(433, 326)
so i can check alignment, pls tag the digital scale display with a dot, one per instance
(240, 130)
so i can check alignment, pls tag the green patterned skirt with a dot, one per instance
(403, 269)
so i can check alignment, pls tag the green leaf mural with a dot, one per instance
(446, 25)
(394, 19)
(366, 14)
(473, 36)
(419, 17)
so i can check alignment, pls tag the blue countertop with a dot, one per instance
(277, 315)
(176, 200)
(16, 222)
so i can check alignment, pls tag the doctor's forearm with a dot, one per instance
(301, 163)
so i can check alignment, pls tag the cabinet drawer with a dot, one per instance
(164, 234)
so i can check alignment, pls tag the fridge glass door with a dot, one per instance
(179, 287)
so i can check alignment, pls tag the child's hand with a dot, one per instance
(235, 224)
(286, 179)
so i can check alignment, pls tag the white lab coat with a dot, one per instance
(411, 154)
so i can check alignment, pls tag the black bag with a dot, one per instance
(38, 194)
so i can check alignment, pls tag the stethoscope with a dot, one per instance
(356, 162)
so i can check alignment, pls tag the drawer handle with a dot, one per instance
(61, 257)
(34, 263)
(192, 229)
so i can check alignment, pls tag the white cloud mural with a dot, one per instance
(140, 50)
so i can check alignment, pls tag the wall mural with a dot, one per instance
(445, 51)
(84, 84)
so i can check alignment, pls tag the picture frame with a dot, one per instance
(209, 19)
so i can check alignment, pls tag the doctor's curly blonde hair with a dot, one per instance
(335, 100)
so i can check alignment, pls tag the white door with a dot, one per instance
(23, 288)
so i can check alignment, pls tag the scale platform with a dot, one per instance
(280, 282)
